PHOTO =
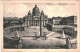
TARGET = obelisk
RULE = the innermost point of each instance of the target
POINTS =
(40, 26)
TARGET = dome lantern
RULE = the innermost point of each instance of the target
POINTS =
(35, 5)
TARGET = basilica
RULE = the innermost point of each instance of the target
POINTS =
(33, 19)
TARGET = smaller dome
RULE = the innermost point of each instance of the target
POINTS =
(42, 13)
(29, 13)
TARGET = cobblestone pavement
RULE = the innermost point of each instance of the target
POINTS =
(52, 42)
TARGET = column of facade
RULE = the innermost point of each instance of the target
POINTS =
(27, 22)
(45, 22)
(38, 22)
(30, 22)
(34, 22)
(42, 22)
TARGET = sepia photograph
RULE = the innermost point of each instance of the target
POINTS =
(40, 25)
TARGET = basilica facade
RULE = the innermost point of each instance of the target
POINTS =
(33, 19)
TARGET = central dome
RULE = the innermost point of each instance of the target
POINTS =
(36, 11)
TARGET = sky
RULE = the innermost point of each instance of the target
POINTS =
(50, 9)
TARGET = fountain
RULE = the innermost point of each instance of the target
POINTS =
(63, 35)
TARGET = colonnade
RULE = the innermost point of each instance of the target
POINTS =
(36, 22)
(17, 28)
